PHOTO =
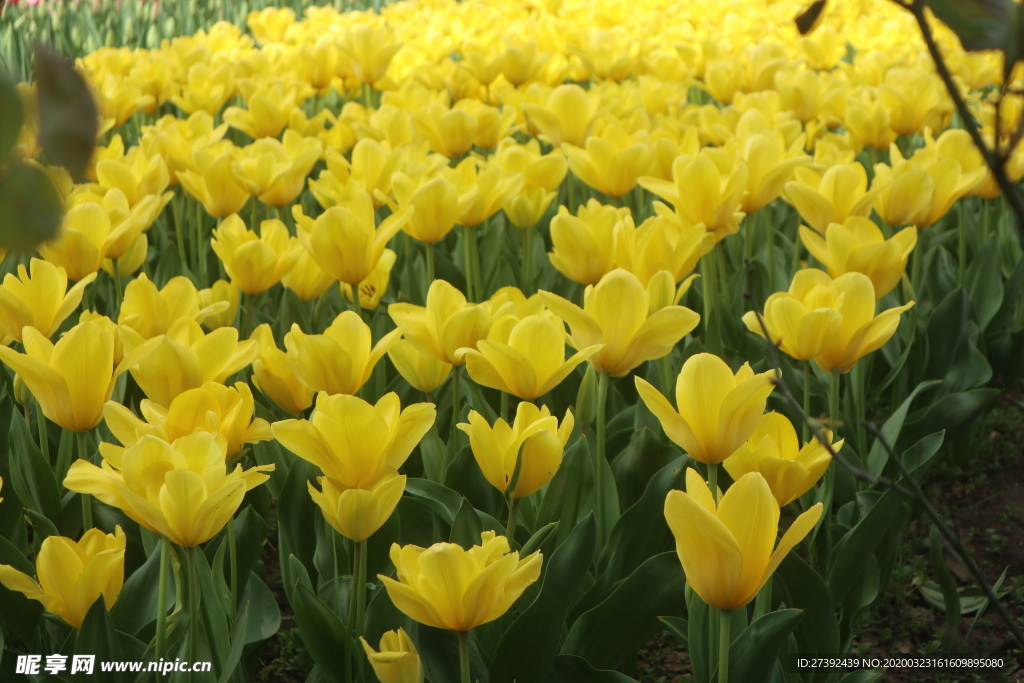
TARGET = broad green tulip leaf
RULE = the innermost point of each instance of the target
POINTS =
(970, 369)
(538, 630)
(697, 638)
(11, 115)
(542, 540)
(98, 636)
(971, 598)
(573, 669)
(641, 531)
(985, 283)
(418, 522)
(979, 24)
(878, 456)
(18, 614)
(432, 452)
(947, 330)
(382, 616)
(803, 588)
(940, 277)
(41, 526)
(611, 498)
(212, 609)
(756, 650)
(31, 475)
(264, 616)
(250, 535)
(439, 654)
(566, 492)
(325, 635)
(239, 639)
(443, 501)
(922, 452)
(68, 118)
(951, 412)
(640, 460)
(617, 627)
(950, 597)
(31, 206)
(136, 604)
(296, 530)
(857, 547)
(586, 399)
(467, 527)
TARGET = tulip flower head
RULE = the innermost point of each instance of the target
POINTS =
(446, 586)
(716, 410)
(398, 660)
(726, 549)
(357, 513)
(150, 312)
(38, 297)
(585, 244)
(421, 370)
(72, 575)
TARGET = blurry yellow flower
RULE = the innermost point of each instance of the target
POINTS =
(449, 131)
(151, 312)
(131, 260)
(830, 197)
(206, 88)
(447, 587)
(869, 123)
(73, 574)
(858, 246)
(212, 181)
(662, 242)
(584, 245)
(255, 263)
(534, 442)
(307, 279)
(371, 49)
(421, 370)
(484, 193)
(339, 361)
(357, 513)
(88, 236)
(612, 161)
(435, 205)
(275, 172)
(274, 376)
(703, 193)
(38, 296)
(373, 288)
(717, 410)
(398, 661)
(270, 103)
(770, 164)
(773, 450)
(567, 116)
(221, 302)
(616, 313)
(353, 441)
(372, 167)
(920, 190)
(178, 490)
(726, 549)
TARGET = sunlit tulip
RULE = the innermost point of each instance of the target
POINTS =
(435, 206)
(39, 297)
(446, 586)
(73, 574)
(275, 172)
(353, 441)
(584, 245)
(716, 409)
(726, 548)
(255, 263)
(567, 116)
(220, 300)
(185, 358)
(533, 444)
(339, 361)
(269, 104)
(211, 180)
(307, 279)
(273, 375)
(830, 197)
(180, 490)
(770, 165)
(73, 378)
(129, 262)
(858, 246)
(524, 357)
(372, 168)
(449, 131)
(345, 240)
(662, 242)
(832, 321)
(357, 513)
(485, 192)
(88, 236)
(611, 161)
(398, 661)
(703, 193)
(206, 88)
(151, 312)
(373, 288)
(914, 98)
(869, 122)
(616, 313)
(539, 170)
(421, 370)
(774, 451)
(371, 49)
(447, 323)
(213, 407)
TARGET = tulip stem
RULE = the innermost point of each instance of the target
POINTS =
(962, 244)
(455, 399)
(723, 646)
(478, 288)
(83, 454)
(527, 261)
(468, 235)
(770, 229)
(233, 562)
(513, 517)
(710, 278)
(44, 439)
(833, 400)
(193, 609)
(504, 406)
(599, 459)
(118, 292)
(713, 480)
(430, 266)
(804, 427)
(161, 598)
(249, 305)
(357, 599)
(464, 656)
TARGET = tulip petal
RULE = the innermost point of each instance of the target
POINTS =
(676, 428)
(711, 557)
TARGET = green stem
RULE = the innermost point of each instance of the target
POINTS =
(504, 406)
(118, 292)
(527, 261)
(430, 267)
(665, 369)
(723, 646)
(200, 252)
(478, 288)
(357, 304)
(599, 456)
(467, 258)
(161, 598)
(961, 244)
(763, 603)
(770, 227)
(513, 517)
(833, 400)
(455, 398)
(858, 375)
(193, 609)
(178, 233)
(805, 434)
(464, 656)
(713, 480)
(249, 305)
(233, 562)
(357, 605)
(44, 439)
(83, 454)
(915, 264)
(710, 284)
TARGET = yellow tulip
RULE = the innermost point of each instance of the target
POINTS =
(88, 235)
(307, 279)
(346, 242)
(662, 242)
(869, 123)
(373, 288)
(616, 312)
(213, 407)
(339, 361)
(435, 206)
(255, 263)
(179, 490)
(726, 549)
(493, 124)
(545, 171)
(206, 88)
(448, 131)
(353, 441)
(447, 587)
(357, 513)
(566, 116)
(185, 358)
(38, 297)
(830, 197)
(858, 246)
(774, 452)
(274, 376)
(221, 300)
(770, 164)
(483, 193)
(275, 172)
(73, 574)
(832, 321)
(421, 370)
(703, 193)
(212, 181)
(527, 208)
(372, 168)
(130, 261)
(73, 378)
(612, 161)
(534, 442)
(447, 323)
(524, 357)
(398, 661)
(716, 410)
(371, 49)
(150, 312)
(269, 103)
(584, 245)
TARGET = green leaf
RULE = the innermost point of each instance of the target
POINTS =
(947, 329)
(985, 283)
(621, 624)
(858, 545)
(99, 637)
(68, 118)
(264, 616)
(679, 627)
(864, 676)
(18, 614)
(878, 456)
(444, 502)
(136, 603)
(11, 115)
(805, 589)
(756, 650)
(31, 475)
(239, 639)
(573, 669)
(326, 637)
(538, 630)
(467, 527)
(950, 596)
(31, 206)
(697, 636)
(979, 24)
(564, 495)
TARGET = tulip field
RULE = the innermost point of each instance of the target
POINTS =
(510, 341)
